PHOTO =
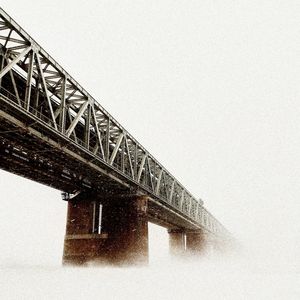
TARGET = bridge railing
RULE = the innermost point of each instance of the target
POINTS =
(48, 92)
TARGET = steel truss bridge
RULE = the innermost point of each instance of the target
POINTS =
(54, 132)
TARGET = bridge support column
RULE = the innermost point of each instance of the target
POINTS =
(107, 231)
(176, 242)
(195, 242)
(214, 245)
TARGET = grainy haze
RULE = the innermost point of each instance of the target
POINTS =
(211, 89)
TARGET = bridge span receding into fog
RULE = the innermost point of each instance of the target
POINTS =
(54, 132)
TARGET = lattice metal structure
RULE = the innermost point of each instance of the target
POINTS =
(33, 82)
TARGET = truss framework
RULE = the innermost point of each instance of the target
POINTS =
(52, 95)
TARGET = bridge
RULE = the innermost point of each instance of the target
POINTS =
(54, 132)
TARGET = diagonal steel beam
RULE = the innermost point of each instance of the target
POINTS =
(197, 211)
(151, 180)
(45, 89)
(14, 62)
(77, 118)
(141, 167)
(71, 120)
(163, 179)
(29, 80)
(117, 146)
(57, 112)
(3, 27)
(181, 200)
(97, 131)
(17, 47)
(7, 39)
(129, 157)
(190, 206)
(12, 77)
(158, 182)
(172, 191)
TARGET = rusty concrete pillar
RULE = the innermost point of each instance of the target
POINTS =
(196, 242)
(215, 245)
(81, 244)
(107, 231)
(176, 242)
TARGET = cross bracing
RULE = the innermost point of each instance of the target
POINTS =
(32, 81)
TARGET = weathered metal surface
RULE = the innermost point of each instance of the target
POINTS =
(53, 131)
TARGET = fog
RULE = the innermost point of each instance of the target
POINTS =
(211, 89)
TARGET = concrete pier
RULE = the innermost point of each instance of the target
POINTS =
(107, 231)
(176, 242)
(195, 242)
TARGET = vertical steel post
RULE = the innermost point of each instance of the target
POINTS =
(29, 80)
(62, 116)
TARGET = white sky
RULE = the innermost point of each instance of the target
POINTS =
(210, 88)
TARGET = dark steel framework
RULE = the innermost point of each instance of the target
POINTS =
(55, 111)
